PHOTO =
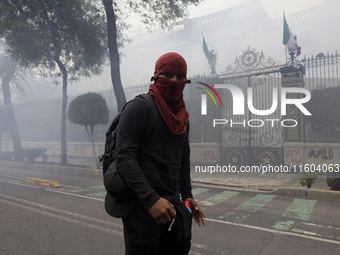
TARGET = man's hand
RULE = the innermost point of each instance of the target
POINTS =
(162, 211)
(197, 212)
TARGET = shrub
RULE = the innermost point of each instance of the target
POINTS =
(33, 153)
(308, 178)
(89, 109)
(333, 178)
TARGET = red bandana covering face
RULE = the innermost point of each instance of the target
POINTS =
(168, 94)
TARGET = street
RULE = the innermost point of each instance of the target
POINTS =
(36, 219)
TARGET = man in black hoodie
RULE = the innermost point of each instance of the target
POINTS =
(157, 166)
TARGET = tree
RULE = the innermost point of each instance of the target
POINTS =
(150, 11)
(55, 34)
(12, 77)
(89, 109)
(7, 71)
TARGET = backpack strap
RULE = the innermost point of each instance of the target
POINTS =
(152, 112)
(110, 141)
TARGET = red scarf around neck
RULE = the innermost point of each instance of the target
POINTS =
(168, 94)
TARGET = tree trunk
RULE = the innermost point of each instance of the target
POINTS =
(10, 113)
(92, 142)
(63, 154)
(114, 55)
(57, 47)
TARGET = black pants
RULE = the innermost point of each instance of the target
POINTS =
(144, 236)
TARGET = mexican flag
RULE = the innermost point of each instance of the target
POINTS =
(206, 50)
(289, 39)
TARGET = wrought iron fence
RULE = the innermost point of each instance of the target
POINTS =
(322, 71)
(250, 70)
(322, 79)
(262, 74)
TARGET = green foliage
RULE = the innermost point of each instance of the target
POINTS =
(333, 178)
(333, 183)
(88, 109)
(157, 11)
(65, 37)
(19, 77)
(163, 12)
(38, 32)
(33, 153)
(308, 178)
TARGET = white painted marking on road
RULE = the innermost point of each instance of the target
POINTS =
(207, 248)
(320, 226)
(18, 183)
(194, 253)
(84, 224)
(201, 246)
(11, 176)
(309, 233)
(57, 191)
(73, 187)
(76, 195)
(336, 237)
(98, 187)
(63, 211)
(274, 231)
(52, 215)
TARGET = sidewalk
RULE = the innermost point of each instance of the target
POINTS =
(257, 181)
(273, 183)
(280, 184)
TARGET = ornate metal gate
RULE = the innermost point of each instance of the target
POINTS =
(247, 139)
(253, 139)
(253, 70)
(258, 140)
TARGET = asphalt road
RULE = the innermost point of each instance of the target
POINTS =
(37, 219)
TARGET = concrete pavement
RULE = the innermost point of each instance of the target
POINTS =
(275, 183)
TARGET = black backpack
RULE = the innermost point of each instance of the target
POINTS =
(110, 143)
(120, 199)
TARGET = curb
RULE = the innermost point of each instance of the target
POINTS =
(42, 182)
(76, 169)
(56, 168)
(318, 194)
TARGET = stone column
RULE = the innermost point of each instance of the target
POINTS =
(293, 137)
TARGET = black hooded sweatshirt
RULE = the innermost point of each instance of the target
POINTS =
(156, 164)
